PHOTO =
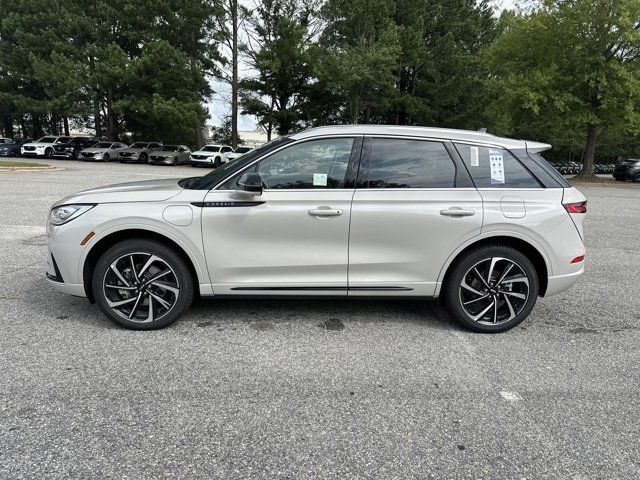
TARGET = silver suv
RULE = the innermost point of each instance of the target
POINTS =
(482, 222)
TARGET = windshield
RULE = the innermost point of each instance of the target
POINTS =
(210, 148)
(103, 145)
(64, 140)
(242, 149)
(169, 148)
(139, 145)
(47, 139)
(216, 176)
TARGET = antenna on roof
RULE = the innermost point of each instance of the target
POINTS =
(482, 130)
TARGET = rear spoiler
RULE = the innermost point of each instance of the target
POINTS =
(537, 147)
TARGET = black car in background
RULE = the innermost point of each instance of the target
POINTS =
(73, 147)
(12, 148)
(628, 170)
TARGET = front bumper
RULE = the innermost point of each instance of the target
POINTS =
(32, 153)
(160, 161)
(202, 161)
(63, 154)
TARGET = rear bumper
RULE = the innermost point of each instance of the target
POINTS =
(76, 290)
(560, 283)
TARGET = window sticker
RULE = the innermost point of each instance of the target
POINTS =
(319, 179)
(497, 166)
(474, 157)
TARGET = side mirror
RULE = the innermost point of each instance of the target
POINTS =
(250, 183)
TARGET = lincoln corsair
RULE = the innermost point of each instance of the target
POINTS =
(483, 223)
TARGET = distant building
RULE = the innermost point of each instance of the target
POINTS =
(250, 138)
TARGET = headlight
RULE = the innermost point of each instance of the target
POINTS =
(66, 213)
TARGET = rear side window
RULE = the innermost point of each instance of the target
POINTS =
(399, 163)
(494, 167)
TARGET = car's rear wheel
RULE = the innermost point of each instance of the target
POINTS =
(491, 289)
(143, 158)
(142, 284)
(217, 162)
(48, 153)
(636, 178)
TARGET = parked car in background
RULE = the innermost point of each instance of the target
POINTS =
(138, 152)
(342, 211)
(12, 148)
(210, 156)
(170, 155)
(104, 151)
(73, 147)
(4, 140)
(238, 152)
(43, 147)
(628, 170)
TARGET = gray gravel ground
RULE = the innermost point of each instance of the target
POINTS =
(315, 388)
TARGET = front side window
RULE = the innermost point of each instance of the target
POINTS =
(495, 167)
(399, 163)
(316, 164)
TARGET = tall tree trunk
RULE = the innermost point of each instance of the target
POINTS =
(589, 153)
(65, 119)
(198, 132)
(97, 117)
(112, 127)
(8, 126)
(234, 74)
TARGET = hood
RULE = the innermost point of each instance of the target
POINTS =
(163, 153)
(95, 150)
(38, 144)
(132, 150)
(202, 152)
(146, 191)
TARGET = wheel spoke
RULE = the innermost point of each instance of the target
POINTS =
(470, 288)
(150, 260)
(520, 278)
(515, 294)
(504, 274)
(512, 312)
(476, 299)
(484, 282)
(166, 286)
(118, 274)
(161, 301)
(121, 302)
(133, 268)
(158, 276)
(135, 305)
(494, 260)
(150, 317)
(483, 312)
(120, 287)
(495, 310)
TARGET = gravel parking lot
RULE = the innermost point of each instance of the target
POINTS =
(315, 388)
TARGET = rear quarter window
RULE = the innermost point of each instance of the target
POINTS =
(495, 167)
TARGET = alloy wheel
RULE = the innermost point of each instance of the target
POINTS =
(141, 287)
(494, 291)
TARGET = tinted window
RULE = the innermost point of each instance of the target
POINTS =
(495, 168)
(47, 139)
(242, 149)
(138, 145)
(227, 149)
(210, 148)
(316, 164)
(103, 145)
(398, 163)
(169, 148)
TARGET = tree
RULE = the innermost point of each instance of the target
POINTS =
(223, 133)
(278, 50)
(567, 67)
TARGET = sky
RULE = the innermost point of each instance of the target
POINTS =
(219, 105)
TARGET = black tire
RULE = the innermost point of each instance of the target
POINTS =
(142, 250)
(175, 161)
(636, 178)
(48, 153)
(14, 153)
(143, 158)
(217, 162)
(106, 157)
(512, 309)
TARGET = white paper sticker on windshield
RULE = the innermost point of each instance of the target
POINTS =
(319, 179)
(474, 157)
(497, 166)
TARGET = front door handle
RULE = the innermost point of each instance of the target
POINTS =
(457, 212)
(325, 212)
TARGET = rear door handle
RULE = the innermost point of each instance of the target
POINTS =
(457, 212)
(325, 212)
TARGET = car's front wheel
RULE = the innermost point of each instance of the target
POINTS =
(636, 178)
(142, 284)
(491, 289)
(106, 157)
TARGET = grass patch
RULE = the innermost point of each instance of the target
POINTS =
(21, 164)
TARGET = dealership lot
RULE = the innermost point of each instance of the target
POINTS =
(315, 388)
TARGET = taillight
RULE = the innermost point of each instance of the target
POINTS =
(578, 207)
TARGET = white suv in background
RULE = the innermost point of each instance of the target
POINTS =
(483, 222)
(211, 156)
(238, 152)
(42, 147)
